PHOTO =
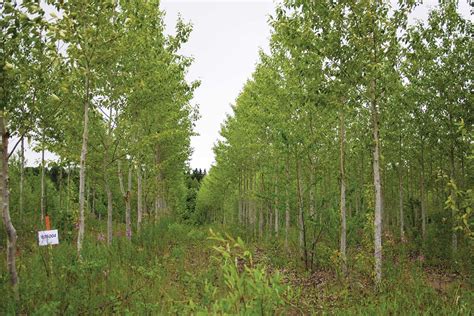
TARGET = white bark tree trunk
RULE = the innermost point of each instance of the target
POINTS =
(287, 204)
(277, 211)
(82, 170)
(22, 173)
(400, 193)
(139, 198)
(5, 199)
(43, 206)
(378, 187)
(422, 192)
(342, 141)
(126, 198)
(128, 215)
(301, 222)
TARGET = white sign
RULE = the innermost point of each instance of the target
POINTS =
(48, 237)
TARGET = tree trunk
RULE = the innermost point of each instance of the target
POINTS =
(378, 189)
(128, 220)
(82, 170)
(422, 192)
(454, 236)
(108, 190)
(109, 213)
(261, 206)
(400, 193)
(7, 222)
(22, 173)
(60, 187)
(126, 198)
(240, 200)
(287, 203)
(43, 210)
(68, 187)
(342, 204)
(139, 198)
(301, 223)
(277, 212)
(312, 200)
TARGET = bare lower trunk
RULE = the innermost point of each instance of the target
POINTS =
(22, 173)
(262, 205)
(454, 236)
(287, 204)
(68, 188)
(126, 198)
(378, 189)
(301, 222)
(160, 203)
(400, 193)
(277, 207)
(82, 171)
(109, 214)
(312, 206)
(61, 176)
(108, 191)
(342, 141)
(240, 201)
(139, 198)
(128, 220)
(43, 210)
(402, 215)
(422, 193)
(7, 222)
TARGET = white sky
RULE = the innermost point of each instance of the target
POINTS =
(226, 38)
(225, 41)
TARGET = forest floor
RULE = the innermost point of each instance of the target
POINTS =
(173, 268)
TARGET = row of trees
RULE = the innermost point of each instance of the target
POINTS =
(355, 118)
(98, 84)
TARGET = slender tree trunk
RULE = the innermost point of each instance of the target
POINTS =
(261, 207)
(342, 141)
(126, 198)
(139, 198)
(301, 223)
(160, 202)
(312, 200)
(22, 173)
(43, 211)
(378, 188)
(287, 203)
(128, 219)
(82, 170)
(7, 222)
(277, 207)
(68, 187)
(109, 213)
(61, 187)
(240, 200)
(108, 190)
(422, 192)
(454, 236)
(400, 192)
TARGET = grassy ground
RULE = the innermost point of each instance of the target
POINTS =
(172, 268)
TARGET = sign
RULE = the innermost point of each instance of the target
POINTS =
(48, 237)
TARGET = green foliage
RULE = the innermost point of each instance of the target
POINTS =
(248, 288)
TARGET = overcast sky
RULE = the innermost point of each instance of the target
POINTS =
(225, 41)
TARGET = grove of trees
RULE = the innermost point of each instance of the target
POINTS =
(101, 86)
(342, 183)
(355, 129)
